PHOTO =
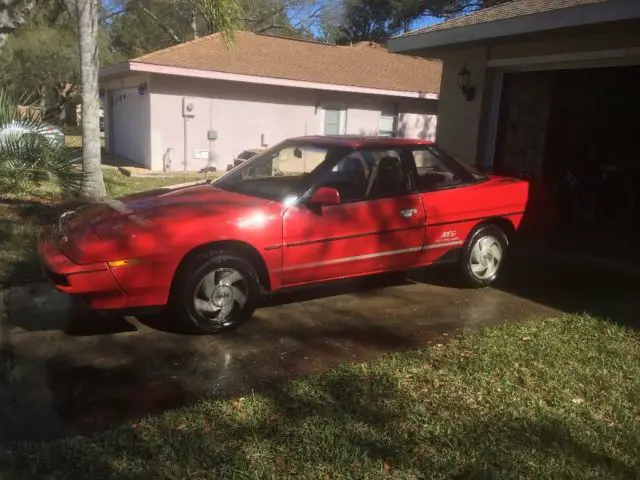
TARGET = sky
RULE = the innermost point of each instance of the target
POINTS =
(426, 22)
(423, 22)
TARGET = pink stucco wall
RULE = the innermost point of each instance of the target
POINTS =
(243, 115)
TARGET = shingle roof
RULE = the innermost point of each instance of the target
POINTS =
(516, 8)
(359, 65)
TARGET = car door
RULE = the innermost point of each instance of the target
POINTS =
(451, 203)
(378, 226)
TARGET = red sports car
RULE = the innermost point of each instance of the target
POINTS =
(308, 210)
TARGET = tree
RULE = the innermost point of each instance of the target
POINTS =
(143, 26)
(40, 59)
(364, 20)
(378, 20)
(140, 26)
(411, 10)
(92, 185)
(12, 15)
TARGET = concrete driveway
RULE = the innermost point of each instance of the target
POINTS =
(57, 380)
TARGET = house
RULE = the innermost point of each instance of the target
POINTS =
(201, 103)
(534, 87)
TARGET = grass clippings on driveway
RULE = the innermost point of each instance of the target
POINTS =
(554, 398)
(21, 218)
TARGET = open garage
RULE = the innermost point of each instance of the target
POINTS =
(576, 129)
(549, 91)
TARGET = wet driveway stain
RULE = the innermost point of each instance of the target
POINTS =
(58, 381)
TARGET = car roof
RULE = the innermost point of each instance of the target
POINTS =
(359, 141)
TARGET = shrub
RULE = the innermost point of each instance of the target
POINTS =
(28, 156)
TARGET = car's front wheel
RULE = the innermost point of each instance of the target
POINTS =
(484, 255)
(216, 291)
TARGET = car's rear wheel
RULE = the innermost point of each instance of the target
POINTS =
(216, 292)
(484, 255)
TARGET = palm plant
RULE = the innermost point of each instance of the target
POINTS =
(28, 156)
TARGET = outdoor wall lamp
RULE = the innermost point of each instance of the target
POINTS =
(464, 82)
(142, 88)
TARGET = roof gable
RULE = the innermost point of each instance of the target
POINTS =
(359, 65)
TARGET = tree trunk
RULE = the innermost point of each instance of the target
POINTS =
(92, 186)
(194, 23)
(70, 117)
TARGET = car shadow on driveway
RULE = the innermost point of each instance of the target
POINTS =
(574, 284)
(58, 382)
(59, 385)
(363, 288)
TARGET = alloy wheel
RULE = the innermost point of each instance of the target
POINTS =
(220, 292)
(486, 257)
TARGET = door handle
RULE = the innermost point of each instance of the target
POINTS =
(408, 212)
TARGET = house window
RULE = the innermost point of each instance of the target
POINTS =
(387, 124)
(333, 121)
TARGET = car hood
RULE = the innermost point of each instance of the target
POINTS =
(165, 212)
(176, 204)
(200, 197)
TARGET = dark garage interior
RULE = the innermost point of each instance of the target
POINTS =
(578, 131)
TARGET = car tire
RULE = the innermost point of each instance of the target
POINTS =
(215, 292)
(484, 255)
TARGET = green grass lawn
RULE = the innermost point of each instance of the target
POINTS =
(551, 398)
(19, 224)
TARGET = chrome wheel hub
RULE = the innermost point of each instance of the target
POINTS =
(222, 296)
(219, 293)
(486, 257)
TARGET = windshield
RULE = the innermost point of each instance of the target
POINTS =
(277, 173)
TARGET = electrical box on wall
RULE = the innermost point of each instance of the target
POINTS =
(212, 135)
(188, 107)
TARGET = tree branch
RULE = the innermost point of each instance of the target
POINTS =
(114, 14)
(168, 30)
(275, 27)
(311, 18)
(210, 26)
(264, 16)
(135, 4)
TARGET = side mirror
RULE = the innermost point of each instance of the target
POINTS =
(325, 196)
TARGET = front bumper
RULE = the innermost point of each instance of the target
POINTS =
(94, 282)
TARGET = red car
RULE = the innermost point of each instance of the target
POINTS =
(307, 210)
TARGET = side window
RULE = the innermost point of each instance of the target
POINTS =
(433, 172)
(367, 175)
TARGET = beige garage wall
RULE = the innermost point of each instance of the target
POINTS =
(462, 125)
(458, 118)
(597, 38)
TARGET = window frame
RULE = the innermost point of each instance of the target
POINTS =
(342, 118)
(393, 110)
(449, 162)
